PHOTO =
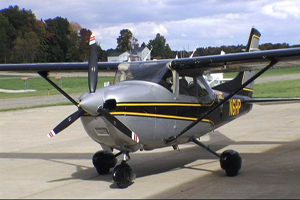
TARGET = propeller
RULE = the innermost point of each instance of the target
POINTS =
(66, 122)
(92, 80)
(119, 125)
(91, 103)
(93, 68)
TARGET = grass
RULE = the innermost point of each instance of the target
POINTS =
(74, 85)
(280, 89)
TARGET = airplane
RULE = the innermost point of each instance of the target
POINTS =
(162, 103)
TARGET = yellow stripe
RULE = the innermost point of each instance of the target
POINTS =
(159, 115)
(164, 104)
(256, 36)
(248, 89)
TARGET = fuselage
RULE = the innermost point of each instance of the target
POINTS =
(156, 111)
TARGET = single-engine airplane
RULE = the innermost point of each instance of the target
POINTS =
(163, 103)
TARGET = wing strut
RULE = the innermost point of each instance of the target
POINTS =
(172, 140)
(44, 74)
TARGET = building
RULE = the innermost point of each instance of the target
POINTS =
(140, 54)
(137, 54)
(118, 57)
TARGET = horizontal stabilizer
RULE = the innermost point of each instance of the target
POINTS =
(272, 100)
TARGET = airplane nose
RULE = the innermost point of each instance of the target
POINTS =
(91, 102)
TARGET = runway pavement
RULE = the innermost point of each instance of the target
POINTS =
(34, 166)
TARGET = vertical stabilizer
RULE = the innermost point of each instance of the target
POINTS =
(253, 41)
(242, 77)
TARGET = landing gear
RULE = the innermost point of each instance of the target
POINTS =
(103, 161)
(230, 160)
(123, 174)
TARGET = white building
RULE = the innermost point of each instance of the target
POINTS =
(118, 57)
(137, 54)
(140, 54)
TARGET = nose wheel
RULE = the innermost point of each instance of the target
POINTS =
(123, 174)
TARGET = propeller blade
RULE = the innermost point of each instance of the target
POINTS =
(119, 125)
(93, 68)
(66, 122)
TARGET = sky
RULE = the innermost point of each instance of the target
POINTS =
(184, 23)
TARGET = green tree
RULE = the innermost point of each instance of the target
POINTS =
(161, 49)
(4, 40)
(74, 38)
(85, 35)
(58, 39)
(168, 51)
(25, 48)
(19, 23)
(40, 30)
(124, 40)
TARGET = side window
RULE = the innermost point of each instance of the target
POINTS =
(167, 81)
(196, 87)
(204, 92)
(186, 85)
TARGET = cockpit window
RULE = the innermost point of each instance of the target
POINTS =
(197, 87)
(155, 72)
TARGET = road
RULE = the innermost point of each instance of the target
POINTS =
(34, 166)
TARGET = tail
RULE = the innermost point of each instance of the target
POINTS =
(253, 41)
(242, 77)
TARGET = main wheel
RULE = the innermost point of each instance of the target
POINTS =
(123, 175)
(231, 162)
(103, 161)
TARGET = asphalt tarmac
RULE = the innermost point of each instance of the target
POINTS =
(35, 166)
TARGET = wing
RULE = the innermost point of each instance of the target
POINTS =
(239, 61)
(213, 64)
(57, 67)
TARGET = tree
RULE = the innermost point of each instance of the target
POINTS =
(143, 45)
(124, 40)
(40, 30)
(57, 37)
(85, 35)
(4, 40)
(160, 48)
(74, 38)
(168, 51)
(134, 42)
(25, 48)
(16, 23)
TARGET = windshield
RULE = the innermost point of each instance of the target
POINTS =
(149, 71)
